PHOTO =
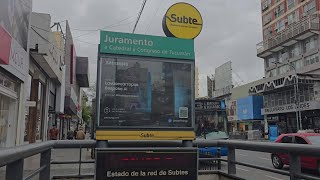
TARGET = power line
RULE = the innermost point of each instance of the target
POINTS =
(142, 7)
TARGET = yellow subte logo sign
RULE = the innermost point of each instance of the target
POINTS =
(182, 20)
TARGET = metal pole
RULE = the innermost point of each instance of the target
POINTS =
(296, 103)
(14, 170)
(45, 161)
(231, 159)
(297, 97)
(295, 166)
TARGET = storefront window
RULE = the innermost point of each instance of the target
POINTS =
(4, 117)
(41, 95)
(27, 115)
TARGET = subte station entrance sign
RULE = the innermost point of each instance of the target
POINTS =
(145, 91)
(145, 88)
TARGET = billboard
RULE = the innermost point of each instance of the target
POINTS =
(14, 26)
(223, 79)
(156, 164)
(249, 108)
(144, 93)
(231, 110)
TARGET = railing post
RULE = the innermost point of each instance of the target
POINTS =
(45, 161)
(295, 166)
(14, 170)
(231, 160)
(219, 156)
(80, 160)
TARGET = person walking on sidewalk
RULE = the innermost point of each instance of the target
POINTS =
(80, 134)
(54, 131)
(70, 134)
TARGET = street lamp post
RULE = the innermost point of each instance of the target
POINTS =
(296, 95)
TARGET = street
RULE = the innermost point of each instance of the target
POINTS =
(259, 159)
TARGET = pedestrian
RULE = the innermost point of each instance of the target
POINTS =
(75, 134)
(80, 134)
(53, 133)
(70, 134)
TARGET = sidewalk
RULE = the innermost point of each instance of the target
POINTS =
(32, 163)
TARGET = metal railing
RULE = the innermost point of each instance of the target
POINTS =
(13, 158)
(309, 23)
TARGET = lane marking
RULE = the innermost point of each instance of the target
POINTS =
(273, 177)
(242, 169)
(264, 158)
(243, 155)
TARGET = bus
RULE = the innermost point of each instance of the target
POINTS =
(211, 123)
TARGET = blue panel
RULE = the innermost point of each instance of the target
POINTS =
(249, 108)
(223, 105)
(273, 133)
(245, 108)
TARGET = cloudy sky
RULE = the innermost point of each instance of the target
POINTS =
(232, 28)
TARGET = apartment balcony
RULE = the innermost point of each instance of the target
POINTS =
(296, 32)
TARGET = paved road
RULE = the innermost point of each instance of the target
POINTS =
(259, 159)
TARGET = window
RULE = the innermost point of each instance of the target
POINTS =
(273, 72)
(265, 5)
(267, 18)
(291, 3)
(309, 8)
(298, 64)
(283, 69)
(310, 44)
(300, 140)
(286, 139)
(293, 17)
(294, 50)
(314, 139)
(279, 10)
(267, 33)
(311, 59)
(280, 25)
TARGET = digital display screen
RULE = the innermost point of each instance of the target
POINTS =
(147, 164)
(145, 93)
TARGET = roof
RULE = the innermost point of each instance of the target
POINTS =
(302, 134)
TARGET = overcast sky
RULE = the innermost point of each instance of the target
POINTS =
(231, 30)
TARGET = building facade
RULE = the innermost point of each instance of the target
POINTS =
(45, 78)
(76, 77)
(290, 50)
(241, 119)
(14, 64)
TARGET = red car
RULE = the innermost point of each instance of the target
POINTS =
(278, 160)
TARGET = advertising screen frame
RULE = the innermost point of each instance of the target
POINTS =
(187, 133)
(103, 153)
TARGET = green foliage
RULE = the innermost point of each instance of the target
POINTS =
(86, 114)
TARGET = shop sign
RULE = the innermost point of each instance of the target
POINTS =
(5, 46)
(144, 45)
(309, 105)
(31, 103)
(182, 20)
(156, 164)
(73, 96)
(207, 105)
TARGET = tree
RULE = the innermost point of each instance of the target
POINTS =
(86, 114)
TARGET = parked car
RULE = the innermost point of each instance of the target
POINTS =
(307, 162)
